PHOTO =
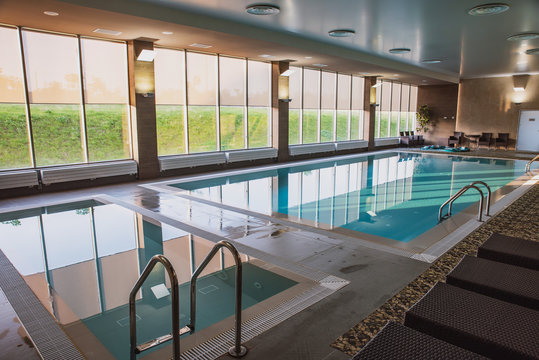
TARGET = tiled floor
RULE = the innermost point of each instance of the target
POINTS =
(14, 342)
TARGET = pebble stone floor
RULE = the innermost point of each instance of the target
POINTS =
(520, 219)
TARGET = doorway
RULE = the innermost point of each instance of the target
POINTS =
(528, 131)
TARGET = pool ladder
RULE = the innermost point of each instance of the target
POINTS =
(529, 164)
(237, 350)
(462, 191)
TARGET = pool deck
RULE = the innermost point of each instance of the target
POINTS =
(375, 276)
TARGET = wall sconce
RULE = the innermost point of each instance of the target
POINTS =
(146, 55)
(284, 94)
(519, 86)
(372, 95)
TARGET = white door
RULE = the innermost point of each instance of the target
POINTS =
(528, 131)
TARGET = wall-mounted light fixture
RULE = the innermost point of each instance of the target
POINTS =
(519, 87)
(146, 55)
(284, 86)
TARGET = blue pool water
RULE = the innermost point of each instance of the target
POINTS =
(82, 259)
(394, 195)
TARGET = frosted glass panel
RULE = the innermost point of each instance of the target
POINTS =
(386, 96)
(294, 88)
(311, 89)
(169, 68)
(258, 77)
(201, 79)
(231, 81)
(343, 91)
(396, 97)
(358, 84)
(328, 90)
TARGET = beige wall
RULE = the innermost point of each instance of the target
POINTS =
(486, 105)
(442, 100)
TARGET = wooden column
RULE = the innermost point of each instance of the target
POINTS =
(142, 105)
(369, 110)
(279, 112)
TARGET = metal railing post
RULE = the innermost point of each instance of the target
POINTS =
(237, 350)
(462, 191)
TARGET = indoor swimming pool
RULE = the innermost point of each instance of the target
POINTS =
(81, 260)
(390, 195)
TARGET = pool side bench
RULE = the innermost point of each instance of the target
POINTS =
(510, 250)
(505, 282)
(478, 323)
(396, 341)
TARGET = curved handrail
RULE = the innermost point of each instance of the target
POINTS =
(488, 198)
(237, 350)
(529, 163)
(458, 194)
(175, 307)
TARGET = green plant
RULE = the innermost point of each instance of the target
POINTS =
(423, 118)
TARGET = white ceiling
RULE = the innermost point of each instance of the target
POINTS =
(470, 46)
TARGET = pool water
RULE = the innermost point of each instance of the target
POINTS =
(81, 260)
(393, 195)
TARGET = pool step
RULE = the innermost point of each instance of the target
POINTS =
(476, 322)
(160, 340)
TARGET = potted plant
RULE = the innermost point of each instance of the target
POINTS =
(423, 118)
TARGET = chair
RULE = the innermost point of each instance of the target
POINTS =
(484, 139)
(455, 139)
(406, 139)
(502, 140)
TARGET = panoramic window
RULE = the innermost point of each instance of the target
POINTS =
(397, 108)
(311, 106)
(169, 68)
(232, 103)
(53, 73)
(328, 102)
(356, 115)
(344, 83)
(106, 97)
(294, 107)
(14, 146)
(258, 100)
(201, 102)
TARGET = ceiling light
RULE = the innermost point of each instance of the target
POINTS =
(533, 51)
(488, 9)
(51, 13)
(431, 61)
(523, 36)
(518, 89)
(267, 56)
(377, 85)
(262, 9)
(287, 72)
(167, 33)
(146, 55)
(320, 65)
(364, 73)
(423, 80)
(341, 33)
(395, 74)
(399, 50)
(107, 32)
(308, 57)
(202, 46)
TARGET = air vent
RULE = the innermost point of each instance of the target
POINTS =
(107, 32)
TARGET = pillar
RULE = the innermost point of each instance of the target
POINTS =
(142, 105)
(279, 112)
(369, 112)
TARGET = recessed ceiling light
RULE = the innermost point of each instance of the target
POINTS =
(267, 56)
(533, 51)
(308, 57)
(320, 65)
(341, 33)
(523, 36)
(364, 73)
(167, 33)
(519, 89)
(395, 74)
(51, 13)
(431, 61)
(262, 9)
(202, 46)
(488, 9)
(399, 50)
(107, 32)
(423, 80)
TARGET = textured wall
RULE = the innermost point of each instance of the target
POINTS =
(487, 105)
(442, 100)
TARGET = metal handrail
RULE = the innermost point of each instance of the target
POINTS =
(458, 194)
(529, 163)
(175, 336)
(488, 198)
(237, 350)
